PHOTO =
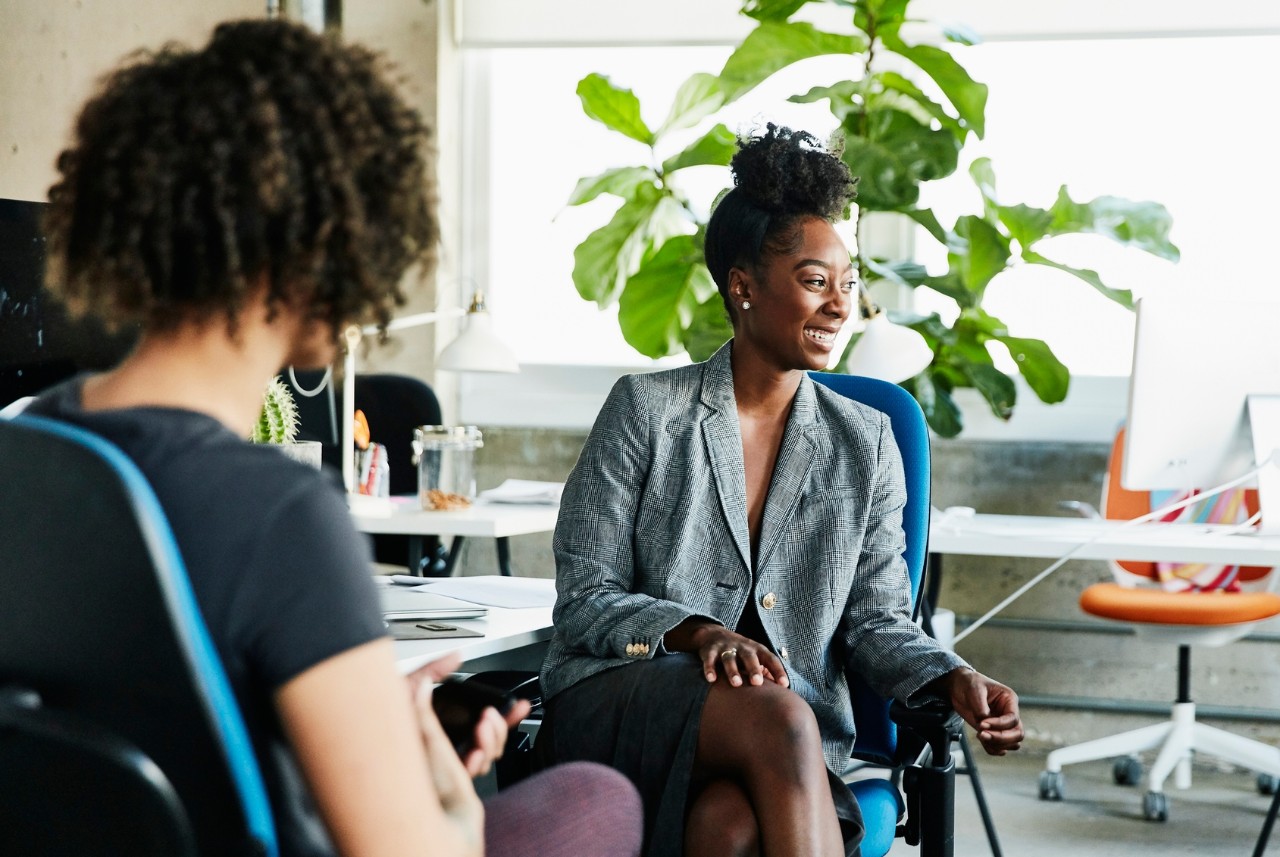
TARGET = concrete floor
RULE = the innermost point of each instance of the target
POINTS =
(1221, 814)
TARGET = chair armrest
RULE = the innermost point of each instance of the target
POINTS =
(929, 781)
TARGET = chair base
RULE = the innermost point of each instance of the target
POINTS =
(1178, 739)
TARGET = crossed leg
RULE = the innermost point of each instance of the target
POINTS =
(764, 781)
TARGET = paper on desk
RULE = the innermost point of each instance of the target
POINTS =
(525, 491)
(495, 591)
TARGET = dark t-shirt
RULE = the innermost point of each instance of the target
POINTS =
(278, 570)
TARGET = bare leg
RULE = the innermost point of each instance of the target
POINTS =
(766, 739)
(722, 823)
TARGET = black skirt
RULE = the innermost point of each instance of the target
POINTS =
(643, 718)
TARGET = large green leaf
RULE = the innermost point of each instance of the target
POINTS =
(965, 94)
(892, 153)
(926, 218)
(775, 45)
(940, 410)
(994, 386)
(716, 147)
(891, 80)
(844, 98)
(609, 255)
(1026, 224)
(771, 10)
(709, 328)
(902, 273)
(1144, 225)
(1124, 297)
(699, 96)
(952, 286)
(980, 253)
(879, 16)
(660, 298)
(1045, 374)
(619, 181)
(614, 107)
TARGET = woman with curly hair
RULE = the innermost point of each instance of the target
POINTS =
(729, 548)
(242, 204)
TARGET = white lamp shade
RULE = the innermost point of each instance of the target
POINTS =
(888, 351)
(476, 349)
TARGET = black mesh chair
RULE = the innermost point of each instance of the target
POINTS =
(119, 733)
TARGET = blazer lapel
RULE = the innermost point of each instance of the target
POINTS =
(791, 471)
(723, 439)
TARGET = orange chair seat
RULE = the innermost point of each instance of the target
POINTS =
(1157, 607)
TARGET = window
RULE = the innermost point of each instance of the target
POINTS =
(1173, 119)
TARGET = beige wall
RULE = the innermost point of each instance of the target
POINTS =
(51, 54)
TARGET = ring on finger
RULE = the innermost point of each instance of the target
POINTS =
(729, 653)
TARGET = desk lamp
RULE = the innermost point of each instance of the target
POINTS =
(475, 349)
(886, 350)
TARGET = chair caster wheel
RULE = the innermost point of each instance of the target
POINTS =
(1155, 806)
(1267, 784)
(1127, 771)
(1051, 783)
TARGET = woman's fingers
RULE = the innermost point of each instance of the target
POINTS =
(772, 665)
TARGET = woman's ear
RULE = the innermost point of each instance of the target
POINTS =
(739, 285)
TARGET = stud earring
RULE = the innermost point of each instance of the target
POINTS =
(746, 304)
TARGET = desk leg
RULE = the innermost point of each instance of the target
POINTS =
(455, 550)
(504, 556)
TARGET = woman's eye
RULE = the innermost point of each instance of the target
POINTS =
(817, 282)
(849, 287)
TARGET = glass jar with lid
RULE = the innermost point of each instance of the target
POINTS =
(446, 465)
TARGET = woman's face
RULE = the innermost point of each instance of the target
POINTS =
(798, 300)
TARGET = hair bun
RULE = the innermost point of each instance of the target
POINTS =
(789, 172)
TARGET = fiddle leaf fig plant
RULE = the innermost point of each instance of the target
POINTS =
(905, 115)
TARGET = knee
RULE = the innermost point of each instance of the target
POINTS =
(789, 722)
(722, 821)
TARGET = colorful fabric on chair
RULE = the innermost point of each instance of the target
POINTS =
(1228, 507)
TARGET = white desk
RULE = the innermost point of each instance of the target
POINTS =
(513, 639)
(489, 520)
(1024, 535)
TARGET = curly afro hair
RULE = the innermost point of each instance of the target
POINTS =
(781, 179)
(271, 151)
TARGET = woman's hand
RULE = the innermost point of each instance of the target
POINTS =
(988, 706)
(452, 781)
(490, 737)
(741, 658)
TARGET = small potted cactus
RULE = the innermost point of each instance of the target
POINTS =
(278, 424)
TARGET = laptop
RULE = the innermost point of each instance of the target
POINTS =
(406, 602)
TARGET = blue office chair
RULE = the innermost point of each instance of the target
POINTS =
(119, 733)
(930, 789)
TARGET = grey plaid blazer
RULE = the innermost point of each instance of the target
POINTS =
(653, 529)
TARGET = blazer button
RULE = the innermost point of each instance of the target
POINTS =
(631, 649)
(768, 601)
(785, 654)
(644, 648)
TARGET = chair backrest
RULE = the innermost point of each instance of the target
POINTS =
(1122, 504)
(106, 665)
(395, 405)
(877, 735)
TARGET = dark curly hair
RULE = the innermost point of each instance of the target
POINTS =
(781, 178)
(271, 151)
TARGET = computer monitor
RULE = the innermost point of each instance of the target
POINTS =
(39, 344)
(1204, 397)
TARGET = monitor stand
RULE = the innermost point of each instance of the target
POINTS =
(1264, 423)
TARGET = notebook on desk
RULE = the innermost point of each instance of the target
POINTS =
(400, 602)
